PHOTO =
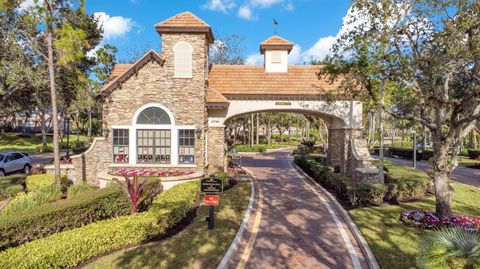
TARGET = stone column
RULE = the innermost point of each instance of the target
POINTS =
(338, 146)
(216, 150)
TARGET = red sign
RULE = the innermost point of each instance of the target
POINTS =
(211, 200)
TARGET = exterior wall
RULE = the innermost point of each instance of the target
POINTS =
(338, 148)
(155, 84)
(92, 161)
(276, 67)
(216, 149)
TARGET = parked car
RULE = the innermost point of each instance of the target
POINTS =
(14, 161)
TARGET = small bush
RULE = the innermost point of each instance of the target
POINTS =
(28, 201)
(11, 185)
(449, 248)
(38, 181)
(255, 148)
(224, 177)
(80, 209)
(355, 193)
(404, 182)
(37, 170)
(474, 153)
(44, 149)
(426, 154)
(69, 248)
(78, 189)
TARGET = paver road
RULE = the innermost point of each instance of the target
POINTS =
(299, 226)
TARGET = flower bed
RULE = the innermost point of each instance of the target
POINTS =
(150, 173)
(428, 220)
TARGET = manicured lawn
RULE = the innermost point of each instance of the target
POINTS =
(11, 185)
(395, 245)
(193, 247)
(14, 141)
(276, 145)
(469, 163)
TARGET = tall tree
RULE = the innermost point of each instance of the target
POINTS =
(428, 55)
(227, 50)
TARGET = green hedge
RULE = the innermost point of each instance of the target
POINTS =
(224, 177)
(69, 248)
(66, 214)
(35, 182)
(355, 193)
(11, 185)
(405, 182)
(474, 153)
(254, 148)
(401, 183)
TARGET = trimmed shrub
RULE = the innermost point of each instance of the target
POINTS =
(355, 193)
(404, 182)
(69, 248)
(11, 185)
(35, 182)
(474, 153)
(224, 177)
(254, 148)
(426, 154)
(79, 210)
(78, 189)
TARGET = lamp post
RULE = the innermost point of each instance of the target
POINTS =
(414, 149)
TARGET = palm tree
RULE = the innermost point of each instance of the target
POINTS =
(450, 248)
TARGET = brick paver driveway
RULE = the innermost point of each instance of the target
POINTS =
(299, 226)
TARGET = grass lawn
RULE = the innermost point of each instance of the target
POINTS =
(394, 244)
(469, 163)
(193, 247)
(13, 142)
(11, 185)
(276, 145)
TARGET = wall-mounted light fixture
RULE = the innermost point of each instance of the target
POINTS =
(106, 132)
(198, 132)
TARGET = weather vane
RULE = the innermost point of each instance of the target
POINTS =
(275, 22)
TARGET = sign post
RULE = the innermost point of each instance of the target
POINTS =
(210, 186)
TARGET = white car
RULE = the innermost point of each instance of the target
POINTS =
(13, 162)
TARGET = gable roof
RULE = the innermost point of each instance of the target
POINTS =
(216, 99)
(231, 80)
(122, 72)
(185, 22)
(276, 42)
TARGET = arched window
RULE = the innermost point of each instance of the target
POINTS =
(183, 60)
(153, 115)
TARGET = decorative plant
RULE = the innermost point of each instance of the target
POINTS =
(134, 189)
(450, 248)
(308, 143)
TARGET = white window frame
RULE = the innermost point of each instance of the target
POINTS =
(132, 161)
(188, 73)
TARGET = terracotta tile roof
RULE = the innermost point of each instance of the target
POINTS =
(214, 96)
(276, 42)
(253, 80)
(185, 22)
(122, 72)
(185, 19)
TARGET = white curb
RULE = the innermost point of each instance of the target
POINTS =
(238, 237)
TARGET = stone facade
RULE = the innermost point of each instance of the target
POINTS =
(216, 149)
(96, 159)
(338, 148)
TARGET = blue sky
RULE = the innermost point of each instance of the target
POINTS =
(311, 24)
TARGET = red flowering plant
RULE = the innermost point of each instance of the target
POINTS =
(150, 173)
(428, 220)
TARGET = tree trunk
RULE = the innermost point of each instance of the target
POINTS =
(441, 181)
(53, 96)
(251, 130)
(24, 130)
(43, 121)
(258, 130)
(89, 131)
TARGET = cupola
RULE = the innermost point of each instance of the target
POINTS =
(275, 50)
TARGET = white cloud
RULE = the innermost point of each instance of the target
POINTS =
(265, 3)
(289, 6)
(245, 12)
(320, 49)
(295, 56)
(254, 59)
(115, 26)
(220, 5)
